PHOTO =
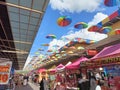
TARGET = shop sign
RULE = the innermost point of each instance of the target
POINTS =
(104, 61)
(5, 68)
(91, 52)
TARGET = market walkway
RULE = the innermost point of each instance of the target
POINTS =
(30, 86)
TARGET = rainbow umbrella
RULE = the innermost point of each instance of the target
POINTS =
(64, 21)
(49, 50)
(45, 45)
(40, 49)
(62, 51)
(106, 30)
(94, 28)
(70, 52)
(81, 25)
(80, 48)
(111, 3)
(87, 41)
(72, 47)
(117, 32)
(51, 36)
(37, 53)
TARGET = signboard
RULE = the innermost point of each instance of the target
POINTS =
(91, 52)
(101, 62)
(5, 68)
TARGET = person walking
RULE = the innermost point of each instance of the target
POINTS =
(42, 84)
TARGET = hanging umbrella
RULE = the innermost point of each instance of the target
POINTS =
(80, 48)
(62, 51)
(64, 21)
(87, 41)
(40, 49)
(81, 25)
(45, 45)
(51, 36)
(111, 3)
(106, 30)
(93, 28)
(117, 32)
(72, 47)
(37, 53)
(49, 50)
(70, 52)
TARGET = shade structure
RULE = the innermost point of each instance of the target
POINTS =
(111, 3)
(64, 21)
(76, 64)
(52, 70)
(117, 32)
(60, 67)
(42, 70)
(106, 29)
(45, 44)
(108, 51)
(94, 28)
(81, 25)
(51, 36)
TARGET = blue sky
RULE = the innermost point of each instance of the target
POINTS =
(80, 11)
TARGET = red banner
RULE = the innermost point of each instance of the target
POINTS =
(5, 68)
(91, 52)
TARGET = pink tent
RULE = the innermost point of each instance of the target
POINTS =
(42, 70)
(76, 64)
(108, 51)
(60, 66)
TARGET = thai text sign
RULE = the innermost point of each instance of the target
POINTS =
(5, 68)
(103, 61)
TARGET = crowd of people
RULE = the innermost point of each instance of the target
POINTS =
(20, 79)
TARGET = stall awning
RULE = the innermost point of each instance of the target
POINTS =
(76, 64)
(108, 51)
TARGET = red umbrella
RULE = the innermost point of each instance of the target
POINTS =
(93, 29)
(117, 32)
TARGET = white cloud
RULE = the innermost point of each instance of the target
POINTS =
(75, 5)
(97, 18)
(82, 33)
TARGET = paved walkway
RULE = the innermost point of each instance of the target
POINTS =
(30, 86)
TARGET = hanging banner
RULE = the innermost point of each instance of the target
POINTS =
(102, 61)
(91, 52)
(5, 68)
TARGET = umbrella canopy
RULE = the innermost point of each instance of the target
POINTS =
(81, 25)
(108, 51)
(111, 3)
(76, 64)
(117, 32)
(51, 36)
(106, 30)
(93, 28)
(64, 21)
(60, 66)
(42, 70)
(45, 45)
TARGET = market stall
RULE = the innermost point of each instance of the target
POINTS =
(74, 74)
(104, 65)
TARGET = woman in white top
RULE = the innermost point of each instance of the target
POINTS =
(98, 87)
